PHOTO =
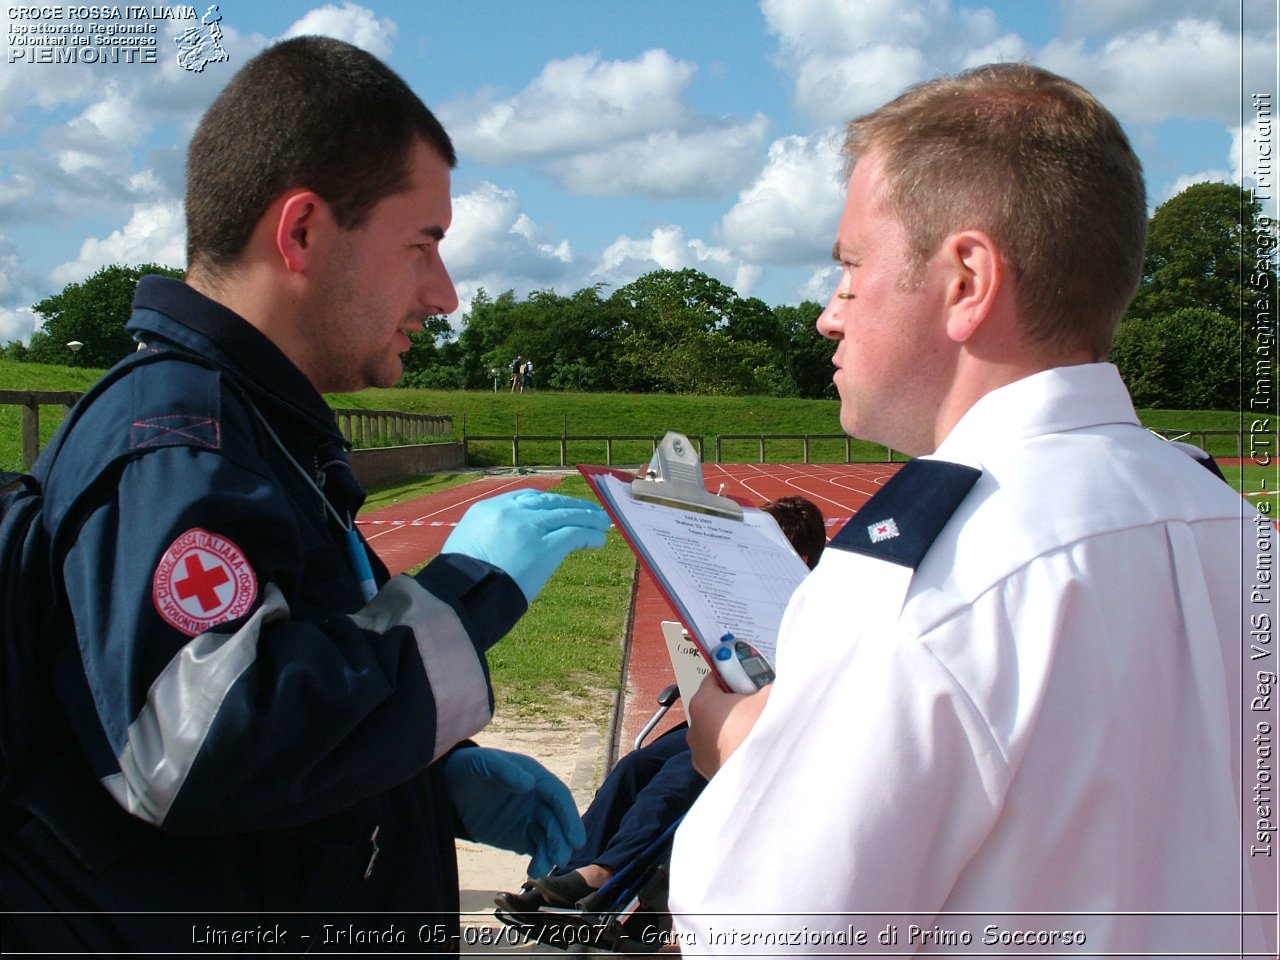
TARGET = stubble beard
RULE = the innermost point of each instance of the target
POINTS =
(345, 315)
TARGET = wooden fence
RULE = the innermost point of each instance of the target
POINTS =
(368, 428)
(586, 447)
(30, 402)
(364, 428)
(564, 439)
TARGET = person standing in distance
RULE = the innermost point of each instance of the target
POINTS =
(1037, 621)
(249, 723)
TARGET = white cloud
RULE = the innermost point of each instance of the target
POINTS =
(1006, 48)
(1188, 68)
(13, 194)
(610, 128)
(104, 138)
(847, 59)
(668, 164)
(579, 103)
(493, 243)
(1189, 179)
(821, 284)
(115, 118)
(351, 22)
(25, 84)
(833, 89)
(1255, 157)
(156, 233)
(17, 324)
(667, 248)
(789, 215)
(808, 27)
(10, 270)
(1148, 60)
(1101, 17)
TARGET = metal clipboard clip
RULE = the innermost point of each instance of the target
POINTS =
(674, 478)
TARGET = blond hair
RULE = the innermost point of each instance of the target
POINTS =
(1034, 160)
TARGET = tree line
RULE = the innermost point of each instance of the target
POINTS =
(1202, 316)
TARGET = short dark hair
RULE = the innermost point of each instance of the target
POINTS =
(309, 112)
(1036, 161)
(801, 521)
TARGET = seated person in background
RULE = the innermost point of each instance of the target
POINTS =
(653, 786)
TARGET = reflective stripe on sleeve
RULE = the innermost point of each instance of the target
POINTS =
(188, 694)
(452, 664)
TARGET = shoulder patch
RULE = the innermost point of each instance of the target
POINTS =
(203, 580)
(174, 430)
(900, 523)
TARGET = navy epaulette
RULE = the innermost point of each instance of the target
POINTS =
(900, 523)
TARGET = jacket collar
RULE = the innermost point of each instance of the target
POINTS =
(172, 312)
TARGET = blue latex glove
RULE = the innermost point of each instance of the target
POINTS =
(527, 534)
(511, 801)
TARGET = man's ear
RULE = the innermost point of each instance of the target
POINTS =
(976, 280)
(303, 222)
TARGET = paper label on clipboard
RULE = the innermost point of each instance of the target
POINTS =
(686, 660)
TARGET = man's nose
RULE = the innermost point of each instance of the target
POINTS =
(829, 323)
(438, 291)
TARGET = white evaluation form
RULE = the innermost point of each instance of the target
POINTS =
(721, 575)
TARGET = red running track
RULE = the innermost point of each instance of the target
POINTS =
(407, 534)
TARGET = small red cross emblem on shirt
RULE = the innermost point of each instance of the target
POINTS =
(201, 583)
(884, 530)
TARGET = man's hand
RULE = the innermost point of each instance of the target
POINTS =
(511, 801)
(527, 534)
(719, 722)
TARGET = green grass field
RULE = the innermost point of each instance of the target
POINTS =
(503, 414)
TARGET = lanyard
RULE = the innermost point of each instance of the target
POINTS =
(360, 563)
(356, 552)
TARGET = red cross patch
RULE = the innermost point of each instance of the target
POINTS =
(203, 580)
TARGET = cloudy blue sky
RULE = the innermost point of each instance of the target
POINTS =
(602, 139)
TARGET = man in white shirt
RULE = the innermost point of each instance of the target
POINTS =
(1009, 713)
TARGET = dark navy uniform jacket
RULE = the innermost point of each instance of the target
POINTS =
(233, 727)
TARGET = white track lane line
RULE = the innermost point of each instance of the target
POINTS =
(372, 529)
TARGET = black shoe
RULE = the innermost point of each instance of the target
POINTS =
(564, 890)
(528, 900)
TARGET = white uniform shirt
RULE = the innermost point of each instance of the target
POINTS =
(1051, 721)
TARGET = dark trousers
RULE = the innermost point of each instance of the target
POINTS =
(643, 795)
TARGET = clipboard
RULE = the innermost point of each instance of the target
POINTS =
(724, 567)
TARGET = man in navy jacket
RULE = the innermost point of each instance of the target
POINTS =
(254, 722)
